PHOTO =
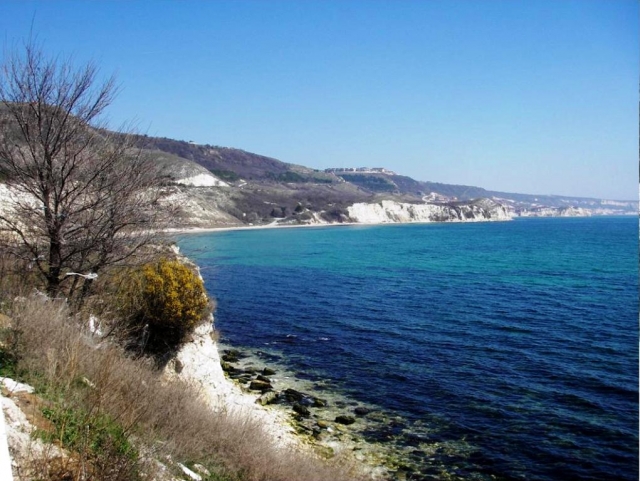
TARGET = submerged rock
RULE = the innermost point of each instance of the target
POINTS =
(291, 395)
(226, 367)
(301, 410)
(231, 355)
(241, 377)
(343, 419)
(302, 429)
(319, 403)
(323, 424)
(260, 386)
(361, 411)
(267, 398)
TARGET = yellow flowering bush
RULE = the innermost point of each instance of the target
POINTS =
(164, 303)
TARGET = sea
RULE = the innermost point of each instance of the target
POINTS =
(510, 346)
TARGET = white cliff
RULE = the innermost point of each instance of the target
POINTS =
(198, 363)
(202, 180)
(191, 174)
(198, 207)
(555, 212)
(390, 212)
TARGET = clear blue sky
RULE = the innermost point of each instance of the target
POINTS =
(531, 96)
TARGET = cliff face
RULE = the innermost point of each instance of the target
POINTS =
(198, 364)
(391, 211)
(556, 212)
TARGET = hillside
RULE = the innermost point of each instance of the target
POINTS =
(259, 189)
(234, 164)
(214, 186)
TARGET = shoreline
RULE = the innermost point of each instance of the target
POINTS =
(285, 421)
(377, 443)
(200, 363)
(311, 407)
(202, 230)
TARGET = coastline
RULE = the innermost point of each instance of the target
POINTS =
(200, 364)
(279, 424)
(202, 230)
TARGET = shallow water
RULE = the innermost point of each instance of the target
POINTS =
(514, 345)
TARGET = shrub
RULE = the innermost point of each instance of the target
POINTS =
(227, 175)
(162, 302)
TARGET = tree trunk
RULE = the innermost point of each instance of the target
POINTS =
(53, 276)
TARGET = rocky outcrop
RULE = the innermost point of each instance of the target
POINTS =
(198, 207)
(198, 363)
(390, 211)
(555, 212)
(21, 453)
(202, 180)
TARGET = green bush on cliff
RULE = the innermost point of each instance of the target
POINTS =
(162, 303)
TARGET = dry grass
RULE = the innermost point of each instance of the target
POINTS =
(98, 387)
(17, 277)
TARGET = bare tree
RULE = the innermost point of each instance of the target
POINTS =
(80, 197)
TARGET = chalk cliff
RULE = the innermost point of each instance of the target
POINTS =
(555, 212)
(198, 363)
(390, 211)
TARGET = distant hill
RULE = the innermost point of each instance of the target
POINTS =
(263, 187)
(219, 186)
(252, 166)
(235, 164)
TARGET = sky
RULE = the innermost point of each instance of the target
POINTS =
(527, 96)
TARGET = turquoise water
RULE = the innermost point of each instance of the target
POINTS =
(518, 340)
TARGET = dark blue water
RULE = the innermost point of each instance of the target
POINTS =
(518, 339)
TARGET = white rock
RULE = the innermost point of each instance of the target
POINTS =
(23, 447)
(15, 386)
(94, 326)
(5, 458)
(190, 473)
(202, 180)
(200, 367)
